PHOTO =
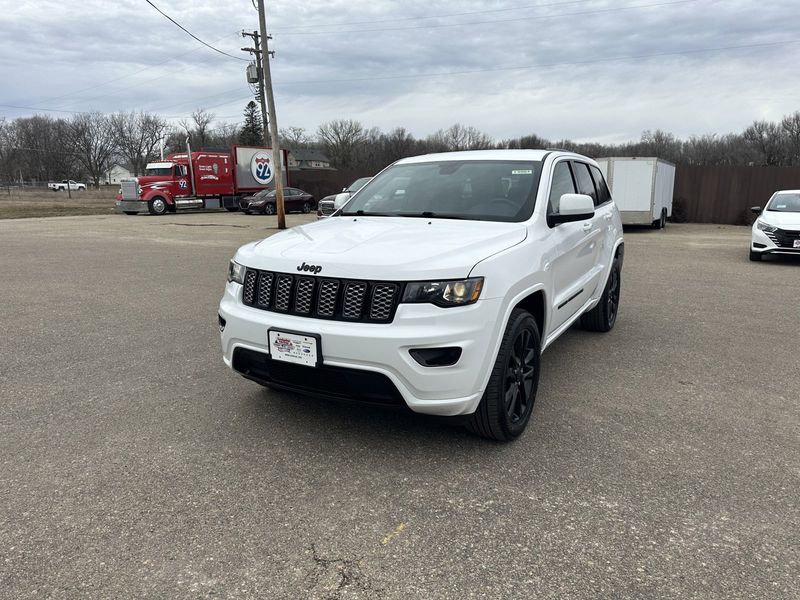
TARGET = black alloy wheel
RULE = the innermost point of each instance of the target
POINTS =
(306, 208)
(612, 305)
(507, 404)
(520, 377)
(603, 316)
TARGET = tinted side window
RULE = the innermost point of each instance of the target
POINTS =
(603, 195)
(584, 180)
(562, 184)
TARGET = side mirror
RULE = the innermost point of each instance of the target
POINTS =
(756, 210)
(340, 200)
(572, 207)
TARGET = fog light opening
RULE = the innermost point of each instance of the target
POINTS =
(436, 357)
(221, 323)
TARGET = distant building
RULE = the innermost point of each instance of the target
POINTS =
(117, 173)
(303, 160)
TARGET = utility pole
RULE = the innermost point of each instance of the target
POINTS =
(273, 121)
(256, 51)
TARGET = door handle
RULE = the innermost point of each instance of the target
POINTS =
(587, 226)
(608, 216)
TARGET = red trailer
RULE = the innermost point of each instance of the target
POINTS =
(208, 180)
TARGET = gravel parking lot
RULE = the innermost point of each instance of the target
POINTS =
(662, 460)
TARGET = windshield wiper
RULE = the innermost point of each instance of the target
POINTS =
(363, 213)
(427, 214)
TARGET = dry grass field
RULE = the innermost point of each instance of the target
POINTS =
(16, 203)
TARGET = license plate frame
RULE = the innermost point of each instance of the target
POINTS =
(296, 347)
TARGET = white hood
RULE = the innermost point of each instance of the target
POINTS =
(383, 248)
(784, 220)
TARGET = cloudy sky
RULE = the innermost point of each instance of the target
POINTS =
(591, 70)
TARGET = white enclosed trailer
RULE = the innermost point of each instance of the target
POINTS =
(642, 188)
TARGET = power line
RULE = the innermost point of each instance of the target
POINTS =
(165, 15)
(472, 23)
(441, 16)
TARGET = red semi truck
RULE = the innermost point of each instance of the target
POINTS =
(208, 180)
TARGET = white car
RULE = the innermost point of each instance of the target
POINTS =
(777, 228)
(436, 287)
(329, 204)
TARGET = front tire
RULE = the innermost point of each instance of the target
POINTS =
(507, 403)
(232, 208)
(306, 208)
(756, 256)
(603, 316)
(131, 212)
(157, 206)
(269, 209)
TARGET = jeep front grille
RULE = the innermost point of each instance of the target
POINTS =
(321, 297)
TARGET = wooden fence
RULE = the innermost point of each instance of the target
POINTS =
(703, 194)
(724, 194)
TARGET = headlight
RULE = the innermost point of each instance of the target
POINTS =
(444, 293)
(765, 226)
(236, 272)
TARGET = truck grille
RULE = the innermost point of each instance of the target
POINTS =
(321, 297)
(326, 208)
(783, 238)
(130, 190)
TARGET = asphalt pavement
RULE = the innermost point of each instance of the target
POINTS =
(662, 459)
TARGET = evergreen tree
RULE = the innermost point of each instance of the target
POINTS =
(252, 132)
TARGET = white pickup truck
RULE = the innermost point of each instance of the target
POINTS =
(61, 186)
(436, 287)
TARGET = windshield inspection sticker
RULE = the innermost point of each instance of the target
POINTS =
(522, 172)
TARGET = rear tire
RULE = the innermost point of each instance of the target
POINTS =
(232, 208)
(663, 218)
(507, 403)
(756, 256)
(130, 212)
(603, 316)
(157, 206)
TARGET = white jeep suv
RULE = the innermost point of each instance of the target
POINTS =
(777, 228)
(436, 287)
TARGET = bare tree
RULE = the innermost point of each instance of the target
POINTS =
(295, 138)
(224, 135)
(137, 137)
(198, 128)
(92, 141)
(767, 141)
(341, 139)
(791, 131)
(460, 137)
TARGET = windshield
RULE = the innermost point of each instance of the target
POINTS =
(489, 190)
(263, 194)
(785, 203)
(358, 184)
(158, 171)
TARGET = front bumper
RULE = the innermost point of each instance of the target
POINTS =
(131, 205)
(384, 348)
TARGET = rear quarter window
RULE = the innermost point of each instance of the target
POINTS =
(603, 194)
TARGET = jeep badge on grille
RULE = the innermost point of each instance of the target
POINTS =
(310, 268)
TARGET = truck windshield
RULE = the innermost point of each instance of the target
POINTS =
(158, 171)
(358, 184)
(489, 190)
(785, 203)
